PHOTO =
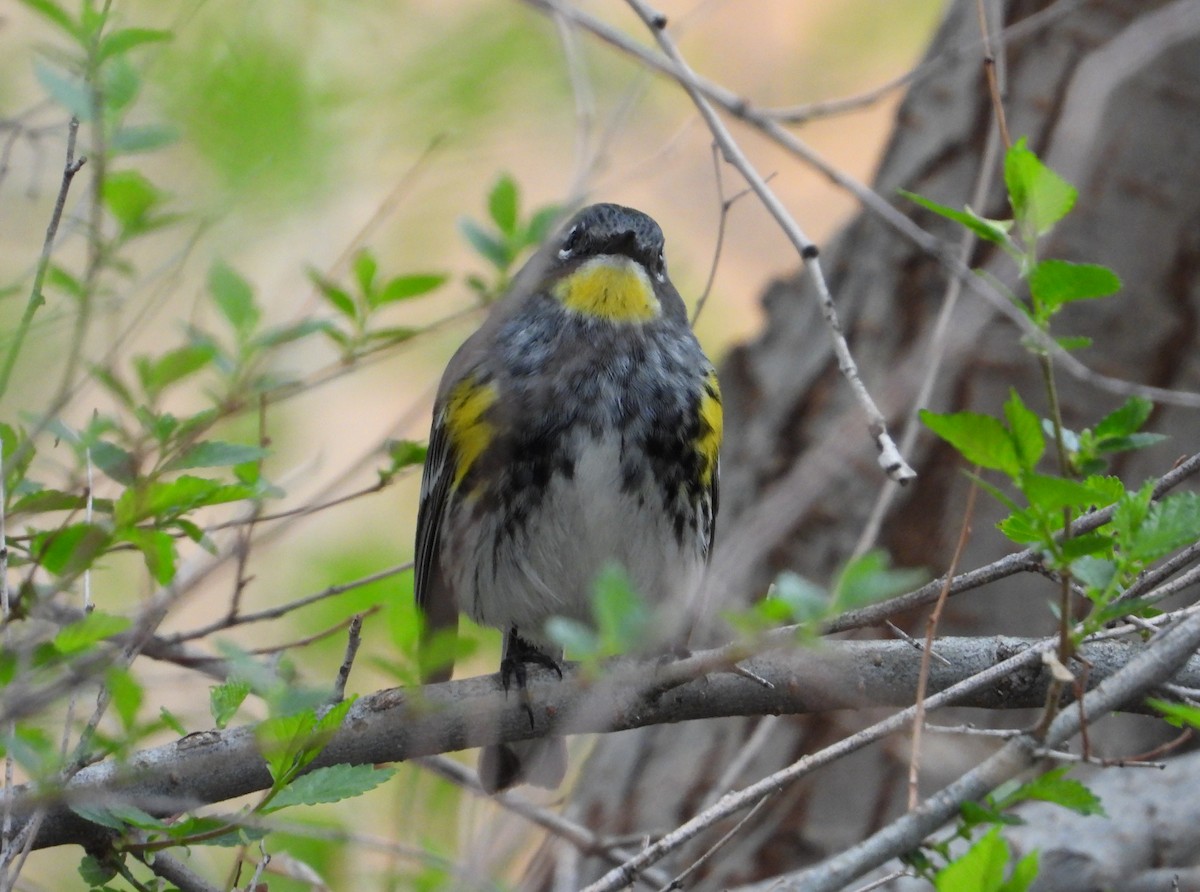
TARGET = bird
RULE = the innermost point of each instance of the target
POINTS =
(579, 427)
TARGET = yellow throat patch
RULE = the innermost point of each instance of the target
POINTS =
(610, 287)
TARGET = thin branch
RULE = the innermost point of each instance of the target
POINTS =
(396, 725)
(871, 202)
(1147, 669)
(36, 299)
(353, 640)
(931, 625)
(890, 459)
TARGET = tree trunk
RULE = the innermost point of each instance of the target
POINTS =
(1108, 94)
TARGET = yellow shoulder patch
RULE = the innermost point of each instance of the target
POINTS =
(609, 287)
(469, 432)
(712, 421)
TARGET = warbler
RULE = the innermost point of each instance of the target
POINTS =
(579, 427)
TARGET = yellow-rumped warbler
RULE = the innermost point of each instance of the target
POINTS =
(579, 426)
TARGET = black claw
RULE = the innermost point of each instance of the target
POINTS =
(519, 653)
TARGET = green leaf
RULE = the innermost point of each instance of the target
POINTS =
(289, 743)
(129, 139)
(1023, 875)
(1130, 442)
(126, 695)
(794, 599)
(1170, 523)
(867, 579)
(541, 223)
(172, 721)
(124, 40)
(48, 500)
(129, 197)
(1177, 714)
(94, 627)
(96, 872)
(119, 816)
(159, 499)
(502, 205)
(620, 611)
(216, 454)
(285, 334)
(72, 549)
(1126, 420)
(330, 784)
(979, 869)
(981, 439)
(365, 268)
(158, 551)
(1026, 527)
(1094, 572)
(1057, 282)
(405, 454)
(1050, 494)
(114, 461)
(1026, 431)
(405, 287)
(576, 638)
(1054, 787)
(225, 699)
(66, 89)
(337, 298)
(121, 82)
(994, 231)
(1074, 342)
(54, 13)
(234, 298)
(158, 374)
(1039, 196)
(492, 249)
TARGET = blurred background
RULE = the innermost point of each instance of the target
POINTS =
(294, 135)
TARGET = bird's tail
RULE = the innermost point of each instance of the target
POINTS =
(541, 762)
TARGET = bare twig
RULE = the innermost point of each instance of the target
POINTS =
(353, 640)
(890, 459)
(964, 536)
(36, 299)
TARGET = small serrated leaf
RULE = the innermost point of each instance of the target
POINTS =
(1026, 431)
(92, 628)
(981, 439)
(330, 784)
(1039, 196)
(1125, 420)
(1057, 282)
(225, 699)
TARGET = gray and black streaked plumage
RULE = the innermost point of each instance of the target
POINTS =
(579, 426)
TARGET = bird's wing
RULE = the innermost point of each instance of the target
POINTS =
(435, 599)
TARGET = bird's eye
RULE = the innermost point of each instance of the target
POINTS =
(660, 267)
(569, 244)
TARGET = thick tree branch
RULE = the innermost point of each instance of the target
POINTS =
(399, 724)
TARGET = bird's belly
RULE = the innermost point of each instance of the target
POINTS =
(522, 575)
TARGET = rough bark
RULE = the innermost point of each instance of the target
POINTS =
(1108, 95)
